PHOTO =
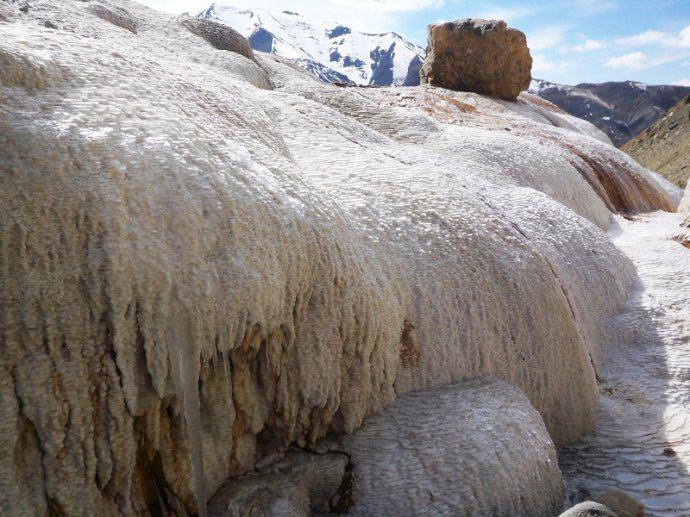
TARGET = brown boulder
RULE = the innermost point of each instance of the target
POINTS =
(479, 56)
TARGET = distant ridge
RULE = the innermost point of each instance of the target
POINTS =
(620, 109)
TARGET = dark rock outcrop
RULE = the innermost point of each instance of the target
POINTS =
(261, 40)
(412, 77)
(218, 35)
(324, 73)
(620, 109)
(480, 56)
(382, 66)
(340, 30)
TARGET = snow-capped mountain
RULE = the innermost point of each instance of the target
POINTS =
(620, 109)
(329, 50)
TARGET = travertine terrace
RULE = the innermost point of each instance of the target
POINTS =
(205, 259)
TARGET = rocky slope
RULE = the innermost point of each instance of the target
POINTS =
(215, 268)
(330, 51)
(620, 109)
(665, 146)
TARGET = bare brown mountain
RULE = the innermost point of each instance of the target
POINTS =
(665, 145)
(620, 109)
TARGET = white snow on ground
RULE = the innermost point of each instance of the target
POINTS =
(641, 443)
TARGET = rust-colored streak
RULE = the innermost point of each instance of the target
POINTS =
(683, 239)
(538, 101)
(622, 189)
(409, 353)
(462, 106)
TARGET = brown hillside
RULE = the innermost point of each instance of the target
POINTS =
(665, 146)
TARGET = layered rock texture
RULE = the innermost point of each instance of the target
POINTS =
(439, 449)
(206, 260)
(479, 56)
(665, 146)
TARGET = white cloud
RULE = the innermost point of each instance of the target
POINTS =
(631, 61)
(541, 64)
(546, 37)
(589, 45)
(684, 37)
(644, 38)
(680, 39)
(682, 82)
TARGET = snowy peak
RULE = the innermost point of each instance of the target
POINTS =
(328, 50)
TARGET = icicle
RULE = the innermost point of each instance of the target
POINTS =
(184, 357)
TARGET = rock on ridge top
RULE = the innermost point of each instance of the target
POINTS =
(481, 56)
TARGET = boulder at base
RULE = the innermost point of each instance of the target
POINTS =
(480, 56)
(474, 448)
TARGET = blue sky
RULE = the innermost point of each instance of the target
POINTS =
(571, 41)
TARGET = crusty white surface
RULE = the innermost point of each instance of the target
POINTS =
(474, 448)
(185, 252)
(641, 442)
